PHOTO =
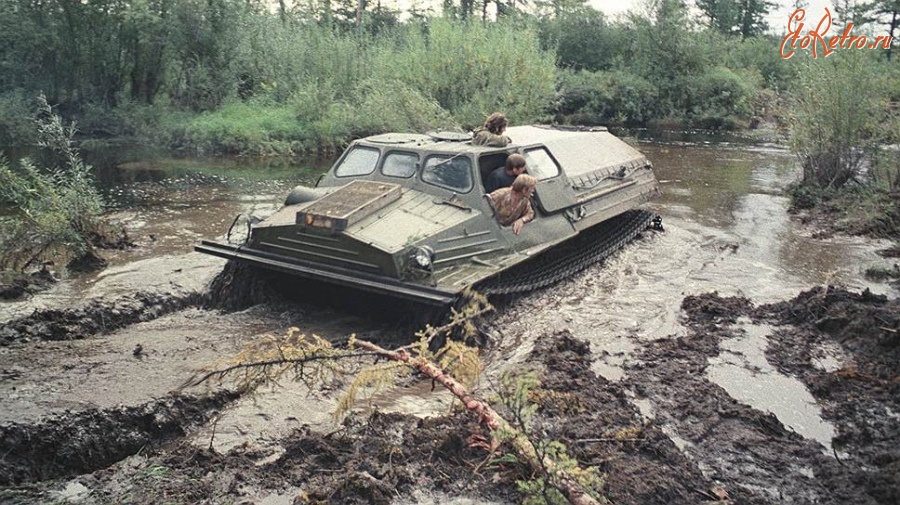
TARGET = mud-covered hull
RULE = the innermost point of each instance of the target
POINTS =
(329, 273)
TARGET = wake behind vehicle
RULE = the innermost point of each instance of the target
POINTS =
(405, 215)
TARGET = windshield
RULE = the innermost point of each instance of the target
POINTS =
(358, 161)
(450, 172)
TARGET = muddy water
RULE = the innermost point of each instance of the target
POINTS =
(727, 230)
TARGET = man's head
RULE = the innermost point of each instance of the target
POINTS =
(495, 123)
(524, 184)
(515, 164)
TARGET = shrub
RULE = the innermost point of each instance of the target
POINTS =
(381, 106)
(57, 209)
(839, 117)
(606, 97)
(716, 99)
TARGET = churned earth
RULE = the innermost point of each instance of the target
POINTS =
(92, 420)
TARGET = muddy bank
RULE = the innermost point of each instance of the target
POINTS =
(751, 452)
(386, 458)
(666, 433)
(77, 443)
(860, 393)
(94, 317)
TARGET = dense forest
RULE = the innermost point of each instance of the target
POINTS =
(252, 77)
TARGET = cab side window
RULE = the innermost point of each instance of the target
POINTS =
(450, 172)
(400, 164)
(540, 164)
(358, 161)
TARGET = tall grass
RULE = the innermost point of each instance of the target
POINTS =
(304, 87)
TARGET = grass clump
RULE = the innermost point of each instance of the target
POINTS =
(249, 128)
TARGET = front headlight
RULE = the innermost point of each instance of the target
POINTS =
(423, 257)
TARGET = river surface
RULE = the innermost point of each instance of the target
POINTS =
(727, 229)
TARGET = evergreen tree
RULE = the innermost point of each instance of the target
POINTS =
(888, 11)
(746, 18)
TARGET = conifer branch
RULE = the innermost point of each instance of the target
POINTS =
(559, 478)
(221, 373)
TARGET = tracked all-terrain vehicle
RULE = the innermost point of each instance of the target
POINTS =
(405, 215)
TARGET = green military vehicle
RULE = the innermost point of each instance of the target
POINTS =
(405, 214)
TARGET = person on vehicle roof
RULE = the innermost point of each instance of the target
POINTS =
(512, 205)
(504, 176)
(491, 134)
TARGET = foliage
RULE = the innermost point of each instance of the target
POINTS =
(757, 55)
(606, 97)
(257, 127)
(716, 99)
(380, 106)
(137, 68)
(57, 209)
(584, 39)
(473, 69)
(454, 357)
(838, 118)
(746, 18)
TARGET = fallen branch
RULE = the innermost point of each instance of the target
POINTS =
(561, 480)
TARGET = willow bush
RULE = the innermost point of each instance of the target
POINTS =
(840, 117)
(55, 209)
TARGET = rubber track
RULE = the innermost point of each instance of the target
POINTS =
(589, 247)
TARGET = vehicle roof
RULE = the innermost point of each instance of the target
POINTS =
(579, 150)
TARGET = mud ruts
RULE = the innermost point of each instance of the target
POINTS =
(77, 443)
(96, 317)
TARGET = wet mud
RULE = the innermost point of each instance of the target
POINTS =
(15, 286)
(664, 433)
(861, 396)
(81, 442)
(96, 316)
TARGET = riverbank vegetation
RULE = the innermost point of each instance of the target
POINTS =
(54, 207)
(235, 77)
(845, 129)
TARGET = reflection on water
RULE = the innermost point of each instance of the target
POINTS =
(168, 203)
